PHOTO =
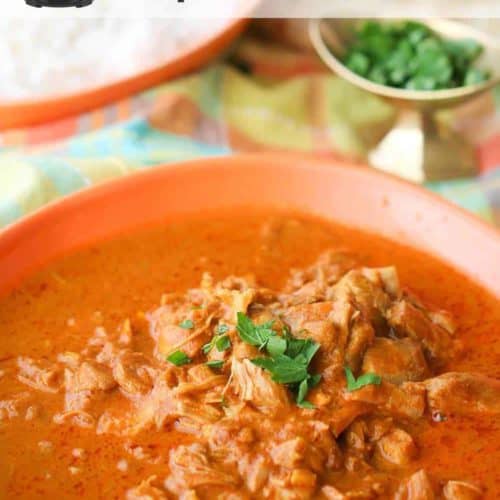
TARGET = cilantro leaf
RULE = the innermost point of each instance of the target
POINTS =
(354, 384)
(314, 380)
(301, 349)
(221, 329)
(289, 357)
(223, 343)
(215, 365)
(276, 346)
(256, 335)
(307, 405)
(304, 387)
(283, 369)
(303, 390)
(187, 324)
(207, 347)
(179, 358)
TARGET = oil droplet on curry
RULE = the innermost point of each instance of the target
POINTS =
(249, 355)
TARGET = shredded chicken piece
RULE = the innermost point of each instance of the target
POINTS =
(85, 384)
(460, 393)
(147, 490)
(255, 472)
(397, 447)
(461, 490)
(190, 468)
(252, 384)
(40, 374)
(410, 321)
(133, 373)
(406, 400)
(397, 361)
(14, 406)
(332, 493)
(289, 454)
(417, 487)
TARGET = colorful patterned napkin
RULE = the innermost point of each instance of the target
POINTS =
(265, 97)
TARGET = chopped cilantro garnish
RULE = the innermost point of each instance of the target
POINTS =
(283, 369)
(289, 357)
(354, 384)
(215, 365)
(221, 329)
(256, 335)
(187, 324)
(179, 358)
(222, 343)
(276, 345)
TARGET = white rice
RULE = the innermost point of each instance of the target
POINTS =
(46, 56)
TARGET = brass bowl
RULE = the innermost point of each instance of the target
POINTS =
(417, 148)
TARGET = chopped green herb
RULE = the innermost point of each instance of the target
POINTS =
(354, 384)
(289, 357)
(314, 380)
(179, 358)
(303, 390)
(256, 335)
(220, 341)
(307, 405)
(276, 346)
(223, 343)
(187, 324)
(215, 365)
(207, 347)
(283, 369)
(410, 55)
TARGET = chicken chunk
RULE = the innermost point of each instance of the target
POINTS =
(86, 383)
(361, 337)
(397, 447)
(40, 374)
(408, 320)
(313, 321)
(463, 394)
(191, 468)
(461, 490)
(417, 487)
(133, 373)
(384, 277)
(396, 361)
(332, 493)
(184, 328)
(148, 489)
(371, 300)
(326, 271)
(289, 454)
(251, 383)
(406, 400)
(254, 471)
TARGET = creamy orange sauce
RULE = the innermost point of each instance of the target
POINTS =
(58, 309)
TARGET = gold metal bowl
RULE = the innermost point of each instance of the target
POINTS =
(418, 147)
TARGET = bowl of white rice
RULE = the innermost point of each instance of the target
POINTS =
(54, 67)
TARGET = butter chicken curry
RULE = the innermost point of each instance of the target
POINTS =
(252, 355)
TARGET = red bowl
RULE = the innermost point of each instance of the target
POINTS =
(353, 195)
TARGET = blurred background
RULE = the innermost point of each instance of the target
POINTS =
(131, 95)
